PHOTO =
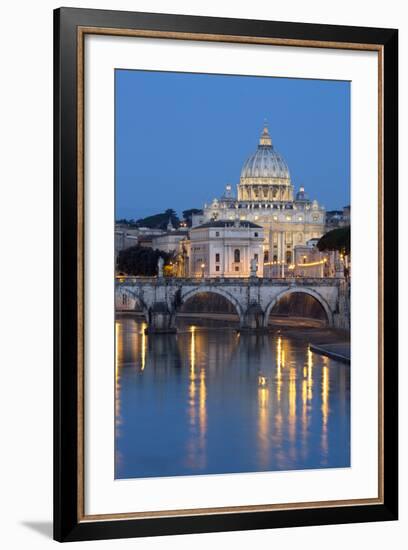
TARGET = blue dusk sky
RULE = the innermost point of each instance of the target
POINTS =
(181, 137)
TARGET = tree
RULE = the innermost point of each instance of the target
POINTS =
(336, 239)
(129, 223)
(160, 221)
(141, 260)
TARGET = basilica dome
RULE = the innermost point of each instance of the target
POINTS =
(265, 163)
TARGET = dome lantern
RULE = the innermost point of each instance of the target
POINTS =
(265, 139)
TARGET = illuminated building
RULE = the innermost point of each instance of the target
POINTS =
(224, 248)
(266, 197)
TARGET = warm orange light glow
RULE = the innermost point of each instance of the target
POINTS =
(192, 353)
(197, 394)
(191, 400)
(310, 264)
(309, 374)
(118, 346)
(263, 424)
(325, 406)
(262, 381)
(143, 352)
(305, 416)
(325, 394)
(304, 400)
(292, 404)
(203, 404)
(279, 368)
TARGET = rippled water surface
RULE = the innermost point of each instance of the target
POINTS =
(209, 401)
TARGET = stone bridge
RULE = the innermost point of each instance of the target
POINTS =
(161, 298)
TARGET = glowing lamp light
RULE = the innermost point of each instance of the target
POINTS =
(262, 381)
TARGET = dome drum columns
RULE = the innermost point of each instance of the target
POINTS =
(265, 192)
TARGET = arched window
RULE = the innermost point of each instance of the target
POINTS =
(237, 255)
(288, 257)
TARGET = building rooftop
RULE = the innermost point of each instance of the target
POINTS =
(174, 232)
(228, 223)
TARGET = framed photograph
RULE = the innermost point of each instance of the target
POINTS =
(225, 274)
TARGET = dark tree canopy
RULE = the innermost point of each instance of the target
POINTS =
(336, 239)
(160, 221)
(140, 260)
(130, 223)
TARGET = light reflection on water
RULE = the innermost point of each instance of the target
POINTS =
(209, 401)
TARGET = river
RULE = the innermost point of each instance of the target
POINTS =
(211, 400)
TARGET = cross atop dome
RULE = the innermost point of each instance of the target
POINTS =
(265, 139)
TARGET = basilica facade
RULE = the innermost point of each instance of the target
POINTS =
(266, 197)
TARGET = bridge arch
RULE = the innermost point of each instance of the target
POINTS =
(122, 291)
(212, 290)
(300, 290)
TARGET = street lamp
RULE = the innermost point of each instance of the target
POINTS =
(202, 270)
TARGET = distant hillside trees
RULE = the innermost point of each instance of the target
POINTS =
(160, 221)
(141, 260)
(336, 239)
(130, 223)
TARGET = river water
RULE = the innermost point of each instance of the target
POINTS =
(210, 400)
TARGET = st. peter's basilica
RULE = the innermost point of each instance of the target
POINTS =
(265, 220)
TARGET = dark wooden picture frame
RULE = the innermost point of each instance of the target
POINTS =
(70, 27)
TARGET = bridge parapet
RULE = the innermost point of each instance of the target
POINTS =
(231, 281)
(160, 298)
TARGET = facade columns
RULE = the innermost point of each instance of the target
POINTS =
(282, 253)
(270, 253)
(283, 256)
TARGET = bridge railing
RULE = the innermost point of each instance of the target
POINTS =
(216, 281)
